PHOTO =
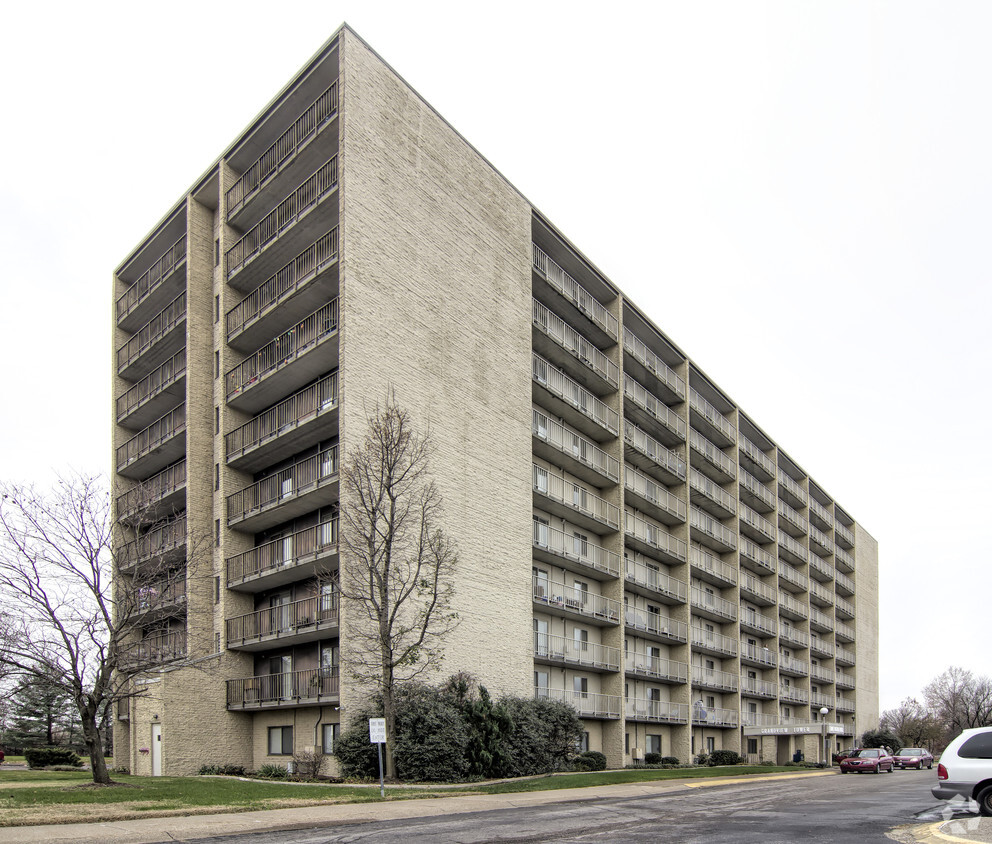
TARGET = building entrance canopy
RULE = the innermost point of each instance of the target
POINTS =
(813, 728)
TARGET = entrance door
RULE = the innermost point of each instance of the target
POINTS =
(156, 750)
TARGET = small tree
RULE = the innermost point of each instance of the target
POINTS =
(398, 562)
(41, 714)
(879, 738)
(959, 700)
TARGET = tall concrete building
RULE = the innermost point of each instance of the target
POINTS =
(630, 540)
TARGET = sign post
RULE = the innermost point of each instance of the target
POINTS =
(377, 736)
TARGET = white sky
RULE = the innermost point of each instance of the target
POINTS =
(798, 193)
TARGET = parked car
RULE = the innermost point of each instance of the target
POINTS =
(841, 755)
(914, 757)
(965, 769)
(874, 759)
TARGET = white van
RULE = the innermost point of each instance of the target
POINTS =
(965, 769)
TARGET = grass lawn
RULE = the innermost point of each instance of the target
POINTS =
(35, 797)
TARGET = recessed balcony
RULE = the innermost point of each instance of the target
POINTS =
(820, 516)
(643, 363)
(705, 529)
(820, 542)
(161, 495)
(817, 699)
(707, 567)
(287, 428)
(790, 520)
(708, 605)
(756, 526)
(844, 559)
(151, 450)
(756, 590)
(793, 666)
(651, 625)
(717, 426)
(310, 687)
(843, 632)
(653, 498)
(160, 390)
(845, 609)
(821, 647)
(791, 579)
(758, 655)
(574, 552)
(298, 556)
(587, 704)
(819, 620)
(653, 540)
(844, 680)
(574, 603)
(152, 651)
(715, 464)
(286, 297)
(753, 687)
(791, 550)
(557, 495)
(154, 289)
(710, 496)
(711, 642)
(646, 452)
(652, 414)
(844, 704)
(844, 656)
(754, 493)
(557, 444)
(843, 584)
(818, 672)
(820, 595)
(160, 599)
(159, 547)
(572, 402)
(820, 568)
(656, 668)
(789, 635)
(291, 224)
(305, 486)
(757, 558)
(575, 653)
(709, 716)
(755, 622)
(155, 342)
(789, 607)
(580, 302)
(656, 711)
(288, 624)
(643, 579)
(791, 694)
(791, 491)
(556, 340)
(710, 678)
(843, 535)
(756, 461)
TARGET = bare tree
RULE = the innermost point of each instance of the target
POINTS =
(960, 700)
(913, 723)
(398, 564)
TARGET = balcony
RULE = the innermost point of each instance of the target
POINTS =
(708, 605)
(309, 687)
(656, 668)
(820, 541)
(756, 525)
(844, 559)
(843, 583)
(759, 592)
(709, 568)
(152, 651)
(715, 463)
(844, 656)
(820, 594)
(298, 556)
(758, 655)
(791, 491)
(790, 577)
(843, 632)
(286, 156)
(656, 711)
(756, 622)
(572, 402)
(791, 550)
(155, 342)
(574, 603)
(753, 687)
(286, 297)
(652, 414)
(587, 704)
(305, 486)
(790, 520)
(845, 680)
(844, 704)
(576, 295)
(792, 608)
(154, 289)
(710, 497)
(709, 678)
(574, 653)
(160, 496)
(553, 441)
(652, 540)
(818, 699)
(709, 716)
(818, 672)
(645, 451)
(250, 259)
(161, 599)
(653, 625)
(819, 514)
(153, 395)
(645, 362)
(755, 557)
(791, 665)
(793, 695)
(843, 535)
(581, 359)
(845, 609)
(820, 569)
(646, 580)
(761, 719)
(574, 552)
(791, 636)
(573, 502)
(755, 493)
(711, 642)
(161, 443)
(160, 547)
(289, 624)
(757, 462)
(648, 495)
(302, 420)
(708, 531)
(253, 385)
(718, 426)
(820, 647)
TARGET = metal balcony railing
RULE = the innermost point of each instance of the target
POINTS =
(560, 385)
(154, 650)
(755, 520)
(302, 477)
(702, 638)
(576, 446)
(792, 516)
(698, 403)
(152, 384)
(714, 716)
(149, 281)
(658, 711)
(703, 447)
(790, 663)
(652, 363)
(649, 577)
(704, 561)
(759, 654)
(653, 449)
(844, 582)
(713, 679)
(818, 672)
(822, 566)
(757, 456)
(309, 614)
(161, 595)
(841, 531)
(575, 293)
(150, 492)
(793, 487)
(587, 704)
(845, 680)
(845, 704)
(701, 599)
(576, 652)
(152, 437)
(284, 552)
(786, 600)
(654, 407)
(820, 645)
(699, 482)
(655, 623)
(760, 719)
(577, 548)
(820, 699)
(794, 547)
(575, 344)
(754, 686)
(844, 655)
(656, 666)
(757, 488)
(283, 284)
(289, 689)
(754, 552)
(818, 590)
(574, 496)
(285, 215)
(821, 513)
(844, 631)
(844, 558)
(650, 490)
(791, 575)
(556, 595)
(164, 539)
(758, 621)
(655, 536)
(285, 147)
(820, 538)
(790, 635)
(711, 527)
(793, 695)
(844, 607)
(751, 585)
(152, 331)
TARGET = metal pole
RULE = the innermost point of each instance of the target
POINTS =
(382, 787)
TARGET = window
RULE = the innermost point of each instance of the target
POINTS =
(710, 701)
(216, 420)
(626, 742)
(540, 637)
(583, 742)
(540, 582)
(217, 254)
(752, 746)
(540, 479)
(280, 741)
(581, 686)
(977, 747)
(581, 544)
(652, 743)
(580, 498)
(710, 744)
(541, 683)
(217, 532)
(217, 590)
(216, 475)
(217, 364)
(217, 308)
(581, 639)
(541, 530)
(328, 737)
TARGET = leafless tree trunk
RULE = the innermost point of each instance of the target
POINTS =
(397, 561)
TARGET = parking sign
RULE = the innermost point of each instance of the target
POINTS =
(377, 730)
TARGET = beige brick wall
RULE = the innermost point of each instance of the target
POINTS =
(866, 592)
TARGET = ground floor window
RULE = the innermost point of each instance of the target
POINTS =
(710, 744)
(280, 741)
(583, 742)
(329, 737)
(752, 745)
(652, 744)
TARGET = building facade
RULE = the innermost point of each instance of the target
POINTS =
(630, 541)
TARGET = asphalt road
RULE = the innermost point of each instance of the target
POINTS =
(856, 807)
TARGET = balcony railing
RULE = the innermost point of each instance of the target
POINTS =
(820, 646)
(844, 558)
(657, 711)
(560, 649)
(820, 565)
(284, 552)
(791, 636)
(701, 484)
(793, 695)
(706, 524)
(844, 607)
(161, 595)
(574, 445)
(652, 491)
(713, 679)
(160, 431)
(845, 680)
(575, 293)
(653, 407)
(152, 331)
(301, 407)
(796, 666)
(575, 344)
(761, 719)
(820, 512)
(285, 215)
(649, 446)
(560, 385)
(755, 520)
(757, 621)
(845, 704)
(788, 602)
(705, 562)
(844, 631)
(555, 595)
(587, 704)
(655, 666)
(818, 672)
(652, 363)
(714, 716)
(310, 614)
(701, 599)
(762, 688)
(819, 699)
(655, 537)
(165, 266)
(792, 546)
(757, 456)
(821, 593)
(284, 148)
(703, 447)
(312, 685)
(284, 283)
(150, 492)
(165, 539)
(757, 488)
(656, 624)
(793, 517)
(793, 576)
(755, 553)
(818, 537)
(702, 638)
(759, 654)
(843, 532)
(577, 548)
(821, 619)
(752, 586)
(791, 485)
(712, 415)
(844, 655)
(650, 578)
(302, 477)
(575, 497)
(152, 384)
(844, 582)
(154, 650)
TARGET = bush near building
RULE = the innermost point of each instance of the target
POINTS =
(45, 757)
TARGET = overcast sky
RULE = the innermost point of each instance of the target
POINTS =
(797, 193)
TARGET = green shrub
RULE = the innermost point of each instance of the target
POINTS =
(593, 758)
(272, 772)
(702, 759)
(652, 758)
(669, 760)
(43, 757)
(581, 765)
(724, 757)
(223, 770)
(542, 735)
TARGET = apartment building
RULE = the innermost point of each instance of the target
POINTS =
(631, 541)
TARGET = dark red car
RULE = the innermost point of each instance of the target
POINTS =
(873, 759)
(914, 757)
